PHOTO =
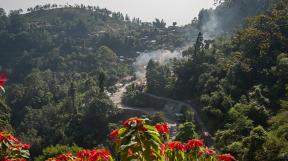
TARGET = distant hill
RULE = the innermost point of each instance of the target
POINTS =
(76, 28)
(48, 34)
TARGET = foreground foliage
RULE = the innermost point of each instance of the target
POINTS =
(239, 84)
(11, 148)
(136, 140)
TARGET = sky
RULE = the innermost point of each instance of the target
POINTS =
(180, 11)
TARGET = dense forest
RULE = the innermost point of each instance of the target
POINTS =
(238, 84)
(61, 64)
(60, 59)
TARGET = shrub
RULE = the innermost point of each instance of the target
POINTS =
(12, 149)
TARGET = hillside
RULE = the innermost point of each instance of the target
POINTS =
(61, 60)
(87, 28)
(237, 83)
(64, 65)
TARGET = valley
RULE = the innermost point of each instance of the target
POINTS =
(85, 83)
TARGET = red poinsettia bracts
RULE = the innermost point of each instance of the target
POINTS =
(84, 154)
(12, 149)
(94, 155)
(22, 146)
(64, 157)
(6, 136)
(209, 151)
(226, 157)
(3, 79)
(130, 152)
(191, 144)
(114, 134)
(162, 128)
(100, 154)
(175, 145)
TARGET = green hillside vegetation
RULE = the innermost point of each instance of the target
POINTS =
(239, 84)
(61, 60)
(77, 28)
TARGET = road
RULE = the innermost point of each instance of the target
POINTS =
(117, 97)
(197, 118)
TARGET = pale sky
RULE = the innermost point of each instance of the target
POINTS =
(181, 11)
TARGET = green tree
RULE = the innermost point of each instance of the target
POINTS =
(159, 24)
(101, 80)
(159, 79)
(256, 140)
(186, 131)
(5, 113)
(73, 95)
(198, 45)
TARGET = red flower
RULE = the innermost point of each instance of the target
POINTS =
(200, 153)
(26, 146)
(113, 134)
(84, 154)
(133, 122)
(22, 146)
(64, 157)
(10, 137)
(4, 136)
(175, 145)
(226, 157)
(209, 151)
(100, 154)
(162, 128)
(105, 154)
(130, 152)
(93, 155)
(3, 79)
(194, 143)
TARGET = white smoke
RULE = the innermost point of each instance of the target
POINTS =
(211, 28)
(162, 56)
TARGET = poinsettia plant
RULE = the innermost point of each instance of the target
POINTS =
(135, 140)
(11, 148)
(3, 80)
(139, 141)
(174, 150)
(85, 155)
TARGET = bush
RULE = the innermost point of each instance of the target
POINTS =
(135, 140)
(12, 149)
